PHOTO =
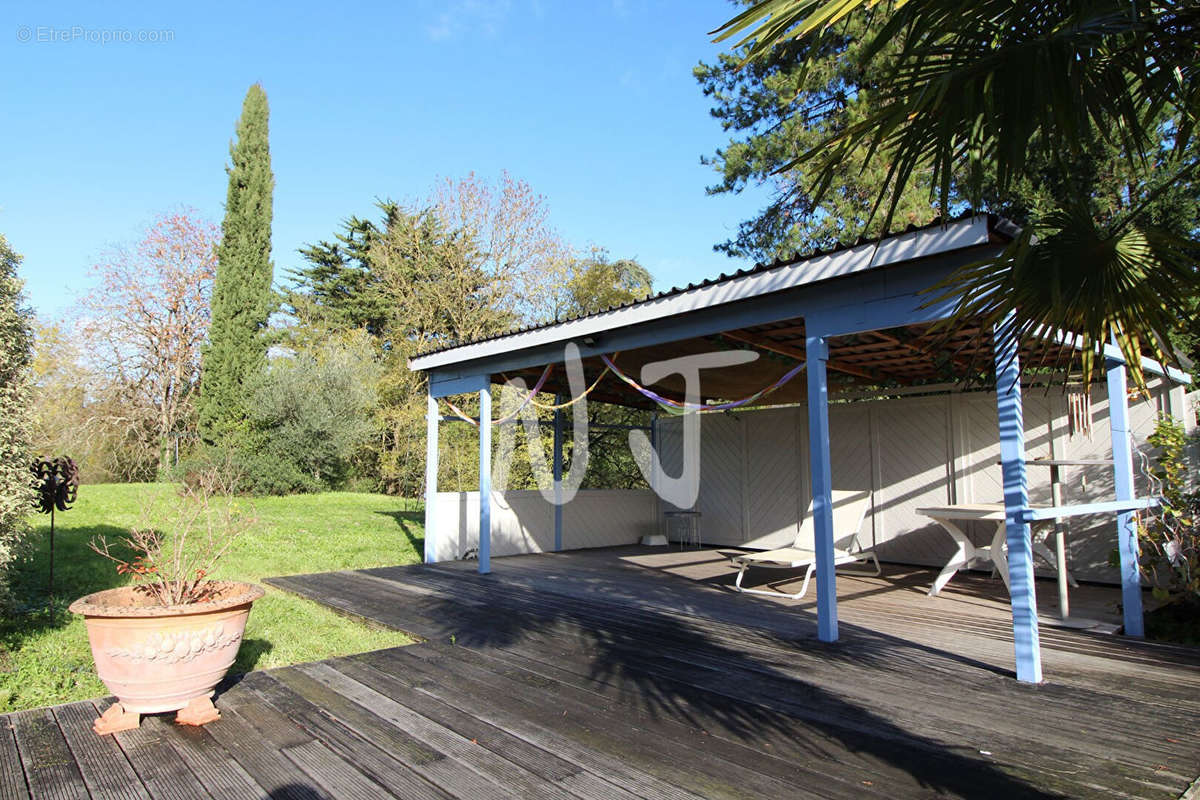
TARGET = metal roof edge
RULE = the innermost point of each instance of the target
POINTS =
(968, 230)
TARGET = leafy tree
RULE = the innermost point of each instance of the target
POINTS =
(507, 222)
(980, 95)
(143, 332)
(597, 282)
(783, 105)
(336, 288)
(242, 298)
(435, 283)
(421, 278)
(16, 356)
(310, 415)
(93, 414)
(411, 281)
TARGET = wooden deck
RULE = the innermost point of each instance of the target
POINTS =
(628, 673)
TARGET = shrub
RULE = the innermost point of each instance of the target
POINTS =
(1169, 537)
(175, 566)
(16, 356)
(310, 414)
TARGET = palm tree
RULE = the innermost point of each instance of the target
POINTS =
(978, 92)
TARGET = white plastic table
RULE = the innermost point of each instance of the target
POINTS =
(966, 551)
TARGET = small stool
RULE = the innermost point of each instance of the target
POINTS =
(684, 527)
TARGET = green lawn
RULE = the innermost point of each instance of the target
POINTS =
(44, 656)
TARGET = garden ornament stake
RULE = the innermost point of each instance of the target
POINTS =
(57, 484)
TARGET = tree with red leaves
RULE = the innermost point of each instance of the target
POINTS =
(146, 322)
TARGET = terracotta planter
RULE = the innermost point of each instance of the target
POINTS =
(164, 658)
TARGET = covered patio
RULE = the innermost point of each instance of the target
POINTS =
(812, 329)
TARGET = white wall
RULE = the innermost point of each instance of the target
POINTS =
(523, 521)
(910, 452)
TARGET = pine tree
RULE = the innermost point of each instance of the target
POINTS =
(242, 298)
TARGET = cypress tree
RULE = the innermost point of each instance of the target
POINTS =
(242, 298)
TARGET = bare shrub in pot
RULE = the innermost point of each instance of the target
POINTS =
(164, 642)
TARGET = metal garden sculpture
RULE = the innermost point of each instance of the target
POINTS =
(57, 484)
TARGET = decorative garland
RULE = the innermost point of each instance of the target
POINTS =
(678, 408)
(573, 400)
(458, 412)
(667, 404)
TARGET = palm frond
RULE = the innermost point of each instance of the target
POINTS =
(1076, 278)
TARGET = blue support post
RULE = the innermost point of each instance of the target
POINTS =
(431, 476)
(485, 480)
(1022, 591)
(558, 470)
(817, 350)
(1122, 450)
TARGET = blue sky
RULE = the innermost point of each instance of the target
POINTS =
(592, 103)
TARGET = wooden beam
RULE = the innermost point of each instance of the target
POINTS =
(924, 351)
(789, 330)
(782, 349)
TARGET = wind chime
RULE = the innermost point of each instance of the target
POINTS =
(1079, 412)
(57, 484)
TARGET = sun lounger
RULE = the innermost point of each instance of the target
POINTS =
(849, 511)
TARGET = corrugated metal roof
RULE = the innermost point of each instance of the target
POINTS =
(995, 225)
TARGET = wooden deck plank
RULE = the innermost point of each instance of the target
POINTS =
(370, 756)
(628, 672)
(1008, 686)
(50, 769)
(542, 762)
(158, 766)
(690, 762)
(465, 768)
(431, 764)
(952, 704)
(342, 779)
(517, 720)
(12, 774)
(915, 739)
(217, 771)
(716, 654)
(1166, 696)
(684, 727)
(952, 765)
(106, 771)
(261, 759)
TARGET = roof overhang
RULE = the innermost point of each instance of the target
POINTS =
(877, 328)
(970, 232)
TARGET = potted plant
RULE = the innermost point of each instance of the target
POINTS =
(164, 642)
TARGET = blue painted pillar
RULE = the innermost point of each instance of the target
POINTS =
(1022, 591)
(431, 476)
(1122, 450)
(558, 469)
(485, 480)
(817, 349)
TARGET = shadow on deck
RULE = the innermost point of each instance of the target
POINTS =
(629, 672)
